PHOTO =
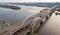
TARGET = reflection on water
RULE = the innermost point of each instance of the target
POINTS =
(52, 26)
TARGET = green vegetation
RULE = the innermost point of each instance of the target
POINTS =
(10, 7)
(29, 33)
(35, 33)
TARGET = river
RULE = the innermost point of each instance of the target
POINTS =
(51, 27)
(17, 16)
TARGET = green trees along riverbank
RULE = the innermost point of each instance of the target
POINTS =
(10, 7)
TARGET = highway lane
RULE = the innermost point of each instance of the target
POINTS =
(51, 27)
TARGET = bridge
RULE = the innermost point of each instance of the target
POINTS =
(34, 24)
(20, 28)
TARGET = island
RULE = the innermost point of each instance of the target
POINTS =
(10, 7)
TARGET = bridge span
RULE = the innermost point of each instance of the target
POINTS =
(31, 24)
(43, 15)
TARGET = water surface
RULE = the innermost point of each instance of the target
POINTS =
(51, 27)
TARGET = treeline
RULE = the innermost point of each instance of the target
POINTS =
(10, 7)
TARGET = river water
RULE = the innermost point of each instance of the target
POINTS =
(51, 27)
(17, 16)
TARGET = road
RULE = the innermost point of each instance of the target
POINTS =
(51, 27)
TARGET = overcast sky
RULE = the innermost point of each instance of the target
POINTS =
(29, 0)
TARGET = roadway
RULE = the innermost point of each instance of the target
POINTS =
(51, 27)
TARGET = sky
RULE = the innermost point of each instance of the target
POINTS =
(29, 0)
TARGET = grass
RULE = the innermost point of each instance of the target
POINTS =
(10, 7)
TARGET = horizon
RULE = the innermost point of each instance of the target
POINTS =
(29, 1)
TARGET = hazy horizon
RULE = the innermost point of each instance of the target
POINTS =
(29, 0)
